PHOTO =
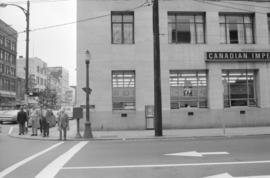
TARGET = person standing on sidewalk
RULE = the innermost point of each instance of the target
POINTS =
(21, 118)
(63, 123)
(34, 118)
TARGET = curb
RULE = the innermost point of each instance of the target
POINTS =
(150, 138)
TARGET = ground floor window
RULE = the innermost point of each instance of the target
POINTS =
(188, 89)
(239, 88)
(123, 90)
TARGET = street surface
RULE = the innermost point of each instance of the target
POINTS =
(247, 156)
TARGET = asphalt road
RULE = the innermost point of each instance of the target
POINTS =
(236, 156)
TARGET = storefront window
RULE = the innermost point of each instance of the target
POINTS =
(188, 89)
(239, 88)
(123, 90)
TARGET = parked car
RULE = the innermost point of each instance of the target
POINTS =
(8, 116)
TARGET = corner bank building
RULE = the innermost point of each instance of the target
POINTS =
(215, 63)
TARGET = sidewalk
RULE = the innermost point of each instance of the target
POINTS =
(147, 134)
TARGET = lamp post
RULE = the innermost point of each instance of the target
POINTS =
(27, 15)
(87, 128)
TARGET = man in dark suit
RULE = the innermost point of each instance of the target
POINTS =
(21, 118)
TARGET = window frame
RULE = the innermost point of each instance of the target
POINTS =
(243, 15)
(114, 72)
(198, 100)
(226, 76)
(194, 14)
(122, 14)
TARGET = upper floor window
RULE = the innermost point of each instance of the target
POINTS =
(122, 27)
(186, 27)
(268, 17)
(1, 40)
(236, 28)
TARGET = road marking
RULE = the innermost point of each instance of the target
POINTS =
(10, 130)
(196, 154)
(54, 167)
(226, 175)
(169, 165)
(19, 164)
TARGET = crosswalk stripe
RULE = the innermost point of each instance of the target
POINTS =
(54, 167)
(19, 164)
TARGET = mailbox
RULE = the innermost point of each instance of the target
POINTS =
(78, 112)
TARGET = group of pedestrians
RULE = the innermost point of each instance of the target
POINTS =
(43, 119)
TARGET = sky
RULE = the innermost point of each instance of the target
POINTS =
(55, 46)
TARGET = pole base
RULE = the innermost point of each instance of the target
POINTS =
(78, 135)
(87, 130)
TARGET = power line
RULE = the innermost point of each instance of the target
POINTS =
(79, 21)
(227, 6)
(266, 7)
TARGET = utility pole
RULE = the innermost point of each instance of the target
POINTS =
(27, 15)
(157, 81)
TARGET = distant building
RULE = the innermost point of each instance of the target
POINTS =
(37, 72)
(8, 48)
(70, 96)
(60, 77)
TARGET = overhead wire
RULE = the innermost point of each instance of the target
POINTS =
(227, 6)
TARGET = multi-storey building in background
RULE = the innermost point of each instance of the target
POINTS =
(37, 73)
(214, 62)
(61, 76)
(8, 52)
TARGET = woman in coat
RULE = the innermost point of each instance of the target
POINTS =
(35, 117)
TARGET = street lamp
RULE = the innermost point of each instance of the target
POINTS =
(27, 15)
(87, 128)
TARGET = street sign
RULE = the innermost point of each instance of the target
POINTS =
(78, 112)
(196, 154)
(87, 90)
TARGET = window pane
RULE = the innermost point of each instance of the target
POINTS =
(172, 33)
(117, 31)
(200, 33)
(233, 33)
(222, 35)
(171, 18)
(241, 33)
(234, 19)
(185, 18)
(128, 18)
(116, 18)
(128, 33)
(247, 19)
(183, 33)
(199, 18)
(249, 34)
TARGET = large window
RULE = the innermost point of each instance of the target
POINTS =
(268, 17)
(123, 90)
(236, 29)
(188, 89)
(122, 27)
(239, 88)
(186, 27)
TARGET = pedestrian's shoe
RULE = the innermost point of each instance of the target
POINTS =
(19, 133)
(32, 134)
